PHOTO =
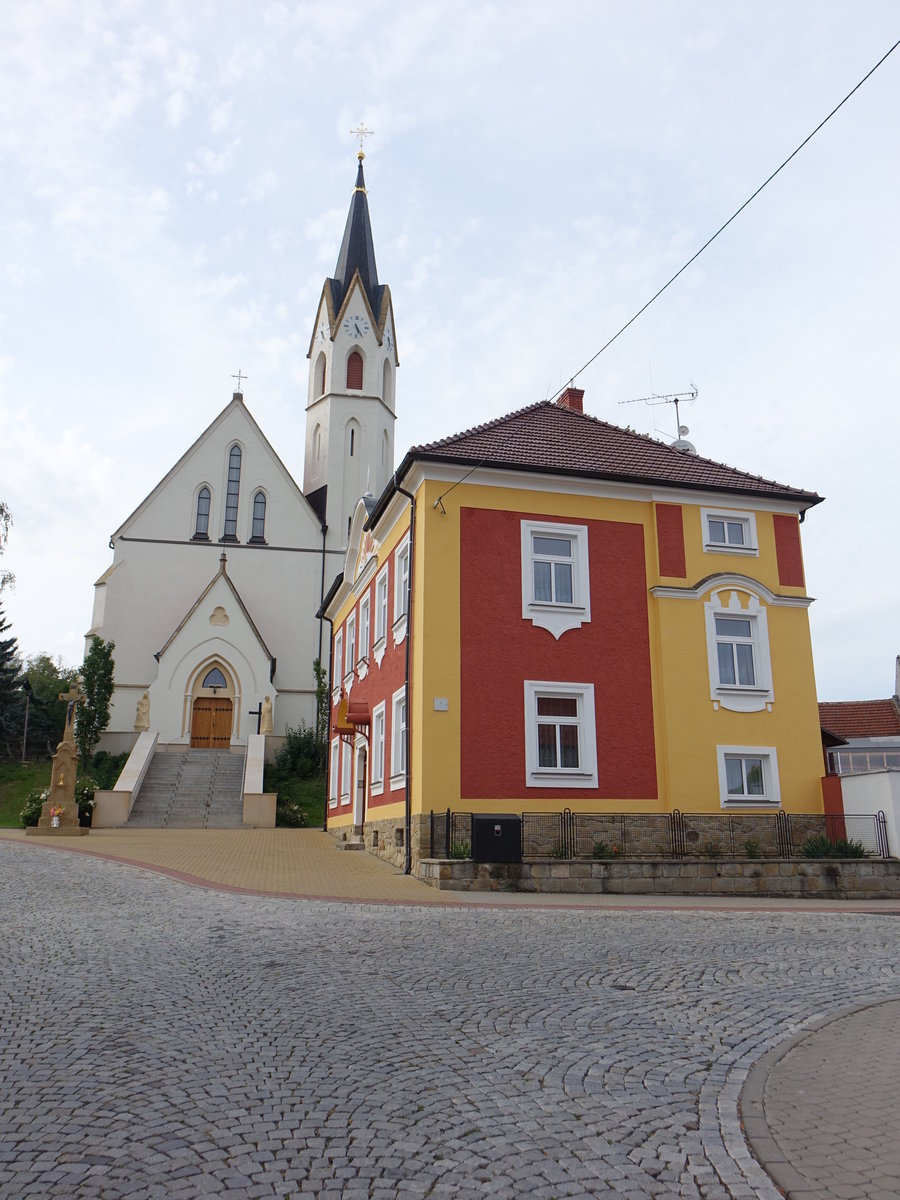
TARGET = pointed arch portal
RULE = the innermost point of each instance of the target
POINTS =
(212, 708)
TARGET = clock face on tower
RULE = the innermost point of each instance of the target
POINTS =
(356, 327)
(389, 339)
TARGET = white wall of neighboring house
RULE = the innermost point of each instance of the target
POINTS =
(879, 791)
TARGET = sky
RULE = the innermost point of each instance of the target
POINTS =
(176, 177)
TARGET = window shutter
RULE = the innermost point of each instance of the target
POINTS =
(355, 371)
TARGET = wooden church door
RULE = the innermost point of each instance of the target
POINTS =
(211, 723)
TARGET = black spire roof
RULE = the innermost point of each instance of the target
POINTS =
(357, 251)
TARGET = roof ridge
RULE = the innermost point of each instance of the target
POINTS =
(493, 424)
(570, 414)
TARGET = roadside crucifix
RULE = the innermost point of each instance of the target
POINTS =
(72, 697)
(59, 812)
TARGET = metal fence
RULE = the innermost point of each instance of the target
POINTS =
(566, 835)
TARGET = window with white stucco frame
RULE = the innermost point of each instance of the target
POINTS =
(748, 776)
(556, 592)
(560, 735)
(401, 590)
(377, 770)
(398, 738)
(737, 642)
(729, 531)
(346, 772)
(338, 665)
(350, 651)
(362, 662)
(333, 774)
(381, 613)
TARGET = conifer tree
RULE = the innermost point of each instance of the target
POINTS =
(11, 697)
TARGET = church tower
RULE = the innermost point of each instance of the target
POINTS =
(350, 411)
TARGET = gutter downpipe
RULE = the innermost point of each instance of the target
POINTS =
(328, 719)
(330, 666)
(407, 860)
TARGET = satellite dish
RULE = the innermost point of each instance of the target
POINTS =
(683, 431)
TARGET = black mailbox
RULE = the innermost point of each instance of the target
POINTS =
(496, 839)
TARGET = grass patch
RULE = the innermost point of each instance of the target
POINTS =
(301, 802)
(16, 781)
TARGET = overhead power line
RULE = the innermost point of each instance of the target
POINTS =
(709, 241)
(735, 214)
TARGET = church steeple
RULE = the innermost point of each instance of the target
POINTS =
(357, 250)
(350, 411)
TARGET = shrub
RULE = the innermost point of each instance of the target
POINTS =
(106, 769)
(752, 848)
(820, 845)
(711, 849)
(84, 798)
(302, 755)
(30, 814)
(461, 850)
(289, 814)
(602, 849)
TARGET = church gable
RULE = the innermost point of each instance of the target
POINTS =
(229, 486)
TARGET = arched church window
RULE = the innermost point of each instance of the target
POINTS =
(231, 496)
(352, 440)
(317, 442)
(201, 524)
(387, 383)
(320, 375)
(355, 371)
(214, 679)
(259, 518)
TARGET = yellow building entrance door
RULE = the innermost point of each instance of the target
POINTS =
(211, 723)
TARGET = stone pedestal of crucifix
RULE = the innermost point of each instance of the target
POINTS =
(59, 812)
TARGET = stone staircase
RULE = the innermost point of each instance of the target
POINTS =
(191, 789)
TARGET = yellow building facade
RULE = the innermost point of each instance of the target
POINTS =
(578, 618)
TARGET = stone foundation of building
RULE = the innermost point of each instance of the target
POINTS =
(821, 879)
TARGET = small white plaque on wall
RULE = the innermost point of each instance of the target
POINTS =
(441, 704)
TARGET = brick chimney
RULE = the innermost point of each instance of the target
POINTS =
(572, 398)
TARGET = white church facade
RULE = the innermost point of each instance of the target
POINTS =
(217, 575)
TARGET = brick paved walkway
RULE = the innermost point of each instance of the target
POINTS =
(822, 1110)
(162, 1040)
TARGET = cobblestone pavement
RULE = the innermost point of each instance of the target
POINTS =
(161, 1040)
(821, 1110)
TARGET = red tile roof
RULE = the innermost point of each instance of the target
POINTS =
(560, 441)
(860, 718)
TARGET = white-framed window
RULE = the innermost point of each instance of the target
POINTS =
(377, 769)
(748, 776)
(398, 738)
(560, 734)
(362, 662)
(737, 637)
(350, 652)
(729, 531)
(346, 772)
(381, 613)
(337, 665)
(333, 780)
(555, 581)
(401, 590)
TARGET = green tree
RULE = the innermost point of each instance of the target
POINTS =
(12, 699)
(92, 717)
(47, 713)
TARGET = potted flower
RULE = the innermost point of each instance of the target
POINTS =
(56, 811)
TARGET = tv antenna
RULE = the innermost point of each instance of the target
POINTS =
(676, 398)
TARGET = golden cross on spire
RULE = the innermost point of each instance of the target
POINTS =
(361, 133)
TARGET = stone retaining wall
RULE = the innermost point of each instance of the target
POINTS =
(384, 839)
(827, 879)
